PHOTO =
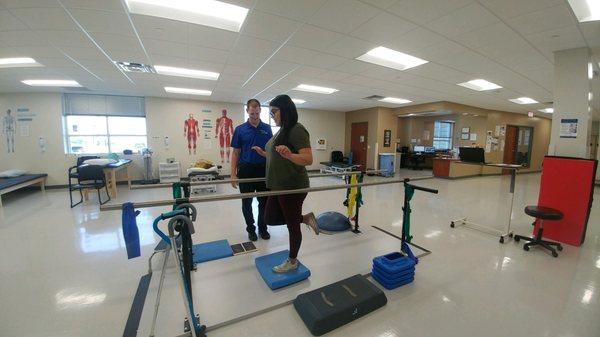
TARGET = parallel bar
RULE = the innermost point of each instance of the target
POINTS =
(211, 198)
(248, 180)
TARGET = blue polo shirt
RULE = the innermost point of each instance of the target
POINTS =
(245, 136)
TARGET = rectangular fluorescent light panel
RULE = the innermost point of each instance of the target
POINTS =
(480, 85)
(391, 58)
(586, 10)
(298, 101)
(183, 72)
(14, 62)
(210, 13)
(547, 110)
(187, 91)
(395, 100)
(314, 88)
(523, 100)
(52, 83)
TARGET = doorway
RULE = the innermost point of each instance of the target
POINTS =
(359, 138)
(518, 145)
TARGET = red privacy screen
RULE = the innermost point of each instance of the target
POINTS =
(567, 185)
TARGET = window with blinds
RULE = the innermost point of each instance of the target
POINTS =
(442, 135)
(97, 124)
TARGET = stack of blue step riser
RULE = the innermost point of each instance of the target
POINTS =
(393, 270)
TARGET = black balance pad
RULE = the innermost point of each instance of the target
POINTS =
(334, 305)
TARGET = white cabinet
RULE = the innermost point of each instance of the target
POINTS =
(169, 172)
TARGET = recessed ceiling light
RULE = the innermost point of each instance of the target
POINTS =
(187, 91)
(395, 100)
(547, 110)
(480, 85)
(298, 101)
(586, 10)
(134, 67)
(202, 12)
(183, 72)
(52, 83)
(523, 100)
(391, 58)
(13, 62)
(314, 88)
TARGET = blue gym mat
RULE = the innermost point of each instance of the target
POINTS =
(275, 280)
(388, 284)
(213, 250)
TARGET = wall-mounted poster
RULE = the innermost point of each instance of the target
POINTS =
(191, 132)
(9, 126)
(387, 138)
(224, 131)
(464, 133)
(568, 128)
(321, 144)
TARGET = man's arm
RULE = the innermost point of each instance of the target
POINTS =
(235, 155)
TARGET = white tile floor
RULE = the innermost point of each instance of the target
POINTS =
(64, 272)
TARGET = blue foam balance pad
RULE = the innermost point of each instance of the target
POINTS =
(396, 276)
(388, 284)
(394, 263)
(274, 280)
(213, 250)
(333, 222)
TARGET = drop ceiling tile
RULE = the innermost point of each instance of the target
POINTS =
(543, 20)
(425, 11)
(325, 61)
(255, 47)
(268, 26)
(382, 28)
(10, 22)
(161, 29)
(351, 48)
(294, 9)
(314, 38)
(507, 9)
(343, 16)
(463, 20)
(44, 18)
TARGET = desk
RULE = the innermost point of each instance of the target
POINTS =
(110, 175)
(441, 167)
(512, 168)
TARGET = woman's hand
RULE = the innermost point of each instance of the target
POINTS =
(259, 150)
(284, 151)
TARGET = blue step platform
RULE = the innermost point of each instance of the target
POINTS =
(213, 250)
(274, 280)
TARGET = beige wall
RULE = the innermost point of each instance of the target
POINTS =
(165, 118)
(485, 121)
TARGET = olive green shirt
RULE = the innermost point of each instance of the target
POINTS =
(282, 173)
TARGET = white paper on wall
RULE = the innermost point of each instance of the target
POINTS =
(473, 137)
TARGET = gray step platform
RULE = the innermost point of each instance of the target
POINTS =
(329, 307)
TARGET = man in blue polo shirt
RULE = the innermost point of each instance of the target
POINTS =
(247, 163)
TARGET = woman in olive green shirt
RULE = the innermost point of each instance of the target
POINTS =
(288, 153)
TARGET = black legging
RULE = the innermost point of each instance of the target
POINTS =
(287, 209)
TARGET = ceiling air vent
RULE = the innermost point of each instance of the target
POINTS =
(133, 67)
(374, 97)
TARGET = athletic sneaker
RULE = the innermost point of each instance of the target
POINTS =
(252, 236)
(264, 235)
(311, 222)
(286, 266)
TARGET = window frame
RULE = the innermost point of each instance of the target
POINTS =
(443, 139)
(68, 136)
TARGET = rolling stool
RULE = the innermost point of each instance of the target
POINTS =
(541, 213)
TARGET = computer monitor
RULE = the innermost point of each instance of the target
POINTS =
(429, 149)
(419, 148)
(471, 154)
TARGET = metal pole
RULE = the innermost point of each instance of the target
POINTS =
(212, 198)
(160, 286)
(245, 180)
